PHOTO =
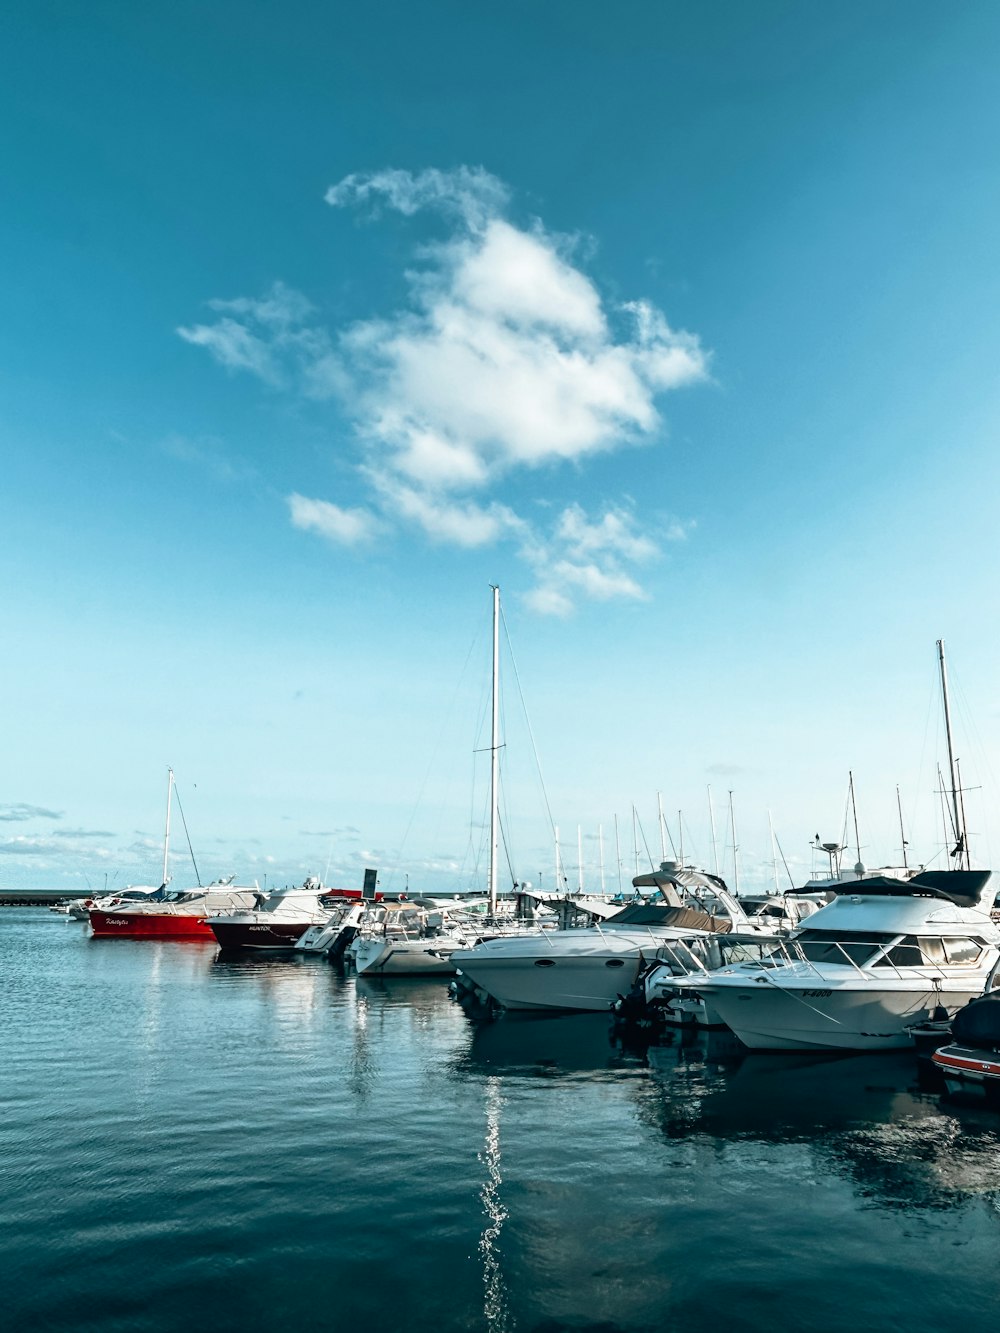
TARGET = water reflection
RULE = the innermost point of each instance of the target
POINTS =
(864, 1116)
(544, 1046)
(495, 1301)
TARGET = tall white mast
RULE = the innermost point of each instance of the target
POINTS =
(618, 855)
(902, 830)
(579, 858)
(736, 863)
(663, 840)
(959, 824)
(680, 836)
(600, 843)
(774, 854)
(495, 758)
(715, 843)
(166, 831)
(854, 809)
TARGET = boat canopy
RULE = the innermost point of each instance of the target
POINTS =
(671, 875)
(660, 914)
(964, 888)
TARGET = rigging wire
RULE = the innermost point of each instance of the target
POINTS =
(186, 834)
(432, 760)
(527, 720)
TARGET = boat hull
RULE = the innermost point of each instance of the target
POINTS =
(148, 926)
(827, 1017)
(257, 934)
(968, 1072)
(388, 958)
(582, 984)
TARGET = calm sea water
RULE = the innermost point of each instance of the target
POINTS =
(193, 1143)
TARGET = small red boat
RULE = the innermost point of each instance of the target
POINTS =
(969, 1072)
(970, 1063)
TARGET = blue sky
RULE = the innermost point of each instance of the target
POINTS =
(678, 322)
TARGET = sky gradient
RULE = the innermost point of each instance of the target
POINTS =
(680, 323)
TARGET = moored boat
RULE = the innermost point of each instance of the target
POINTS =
(179, 915)
(272, 921)
(970, 1061)
(881, 957)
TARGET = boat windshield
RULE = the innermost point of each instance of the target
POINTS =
(831, 946)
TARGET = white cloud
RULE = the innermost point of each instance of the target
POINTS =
(504, 358)
(270, 337)
(470, 192)
(460, 524)
(347, 527)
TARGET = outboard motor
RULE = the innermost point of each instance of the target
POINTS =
(978, 1024)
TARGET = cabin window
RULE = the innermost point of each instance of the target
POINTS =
(826, 946)
(962, 953)
(905, 954)
(933, 951)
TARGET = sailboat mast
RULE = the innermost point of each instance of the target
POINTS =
(659, 814)
(962, 848)
(854, 810)
(736, 862)
(680, 836)
(579, 858)
(774, 854)
(902, 830)
(715, 843)
(166, 831)
(618, 855)
(494, 758)
(600, 843)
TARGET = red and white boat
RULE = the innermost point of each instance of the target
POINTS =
(970, 1064)
(163, 914)
(969, 1072)
(179, 915)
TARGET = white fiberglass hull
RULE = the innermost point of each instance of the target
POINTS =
(380, 957)
(581, 974)
(784, 1015)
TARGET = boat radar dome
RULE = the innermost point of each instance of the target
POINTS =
(859, 870)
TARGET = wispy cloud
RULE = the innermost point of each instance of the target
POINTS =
(505, 358)
(345, 527)
(16, 814)
(209, 455)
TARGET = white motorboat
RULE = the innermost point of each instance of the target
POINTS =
(333, 935)
(884, 955)
(274, 921)
(407, 939)
(587, 969)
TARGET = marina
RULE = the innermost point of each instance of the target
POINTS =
(192, 1131)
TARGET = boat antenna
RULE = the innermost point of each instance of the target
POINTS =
(961, 851)
(166, 831)
(494, 757)
(902, 831)
(711, 820)
(854, 808)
